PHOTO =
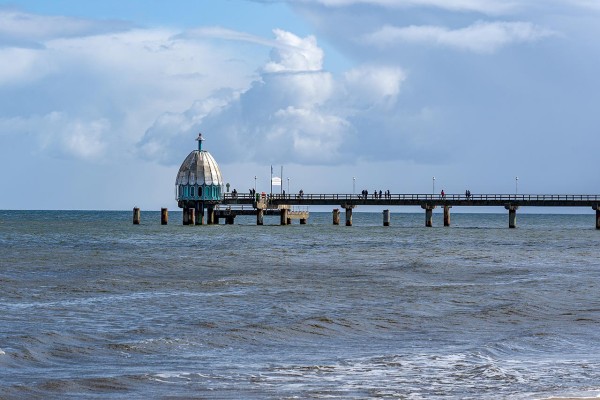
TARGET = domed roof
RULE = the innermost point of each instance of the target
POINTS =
(199, 168)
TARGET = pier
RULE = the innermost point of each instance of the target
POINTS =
(427, 202)
(199, 187)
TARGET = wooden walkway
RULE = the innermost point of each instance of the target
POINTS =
(503, 200)
(428, 202)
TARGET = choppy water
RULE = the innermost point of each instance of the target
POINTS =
(94, 307)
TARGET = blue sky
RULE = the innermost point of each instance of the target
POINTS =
(101, 101)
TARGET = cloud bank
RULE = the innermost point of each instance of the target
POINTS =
(481, 37)
(295, 111)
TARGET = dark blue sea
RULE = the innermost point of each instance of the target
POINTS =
(94, 307)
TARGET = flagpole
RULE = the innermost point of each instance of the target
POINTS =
(271, 181)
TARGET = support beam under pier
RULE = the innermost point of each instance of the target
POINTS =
(199, 214)
(597, 208)
(336, 216)
(210, 216)
(164, 216)
(259, 216)
(428, 214)
(447, 215)
(386, 217)
(283, 216)
(512, 215)
(348, 208)
(191, 216)
(136, 216)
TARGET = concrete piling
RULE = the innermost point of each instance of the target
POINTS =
(191, 216)
(259, 216)
(186, 216)
(229, 220)
(210, 216)
(512, 215)
(289, 221)
(164, 216)
(303, 221)
(136, 216)
(283, 216)
(386, 217)
(348, 216)
(199, 214)
(597, 208)
(447, 215)
(428, 215)
(336, 216)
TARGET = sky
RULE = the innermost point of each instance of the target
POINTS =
(100, 102)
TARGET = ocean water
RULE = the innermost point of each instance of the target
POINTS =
(92, 307)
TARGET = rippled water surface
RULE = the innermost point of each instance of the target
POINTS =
(94, 307)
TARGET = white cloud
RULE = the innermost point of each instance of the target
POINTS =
(118, 79)
(61, 135)
(482, 6)
(294, 112)
(481, 37)
(371, 85)
(295, 54)
(15, 25)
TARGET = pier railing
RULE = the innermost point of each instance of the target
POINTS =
(403, 198)
(422, 200)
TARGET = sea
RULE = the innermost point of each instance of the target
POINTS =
(94, 307)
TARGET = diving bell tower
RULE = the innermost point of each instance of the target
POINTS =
(199, 185)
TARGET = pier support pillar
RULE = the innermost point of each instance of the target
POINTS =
(386, 217)
(597, 208)
(428, 214)
(199, 214)
(283, 220)
(210, 216)
(348, 215)
(289, 221)
(164, 216)
(512, 215)
(136, 216)
(229, 220)
(336, 216)
(447, 215)
(191, 216)
(259, 216)
(303, 221)
(186, 216)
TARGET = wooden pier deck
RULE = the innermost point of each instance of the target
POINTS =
(428, 202)
(503, 200)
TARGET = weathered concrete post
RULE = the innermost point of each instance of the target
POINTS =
(136, 216)
(428, 215)
(447, 215)
(289, 221)
(348, 215)
(164, 216)
(186, 216)
(386, 217)
(283, 216)
(303, 221)
(336, 216)
(259, 216)
(597, 208)
(512, 215)
(210, 216)
(199, 215)
(229, 220)
(191, 216)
